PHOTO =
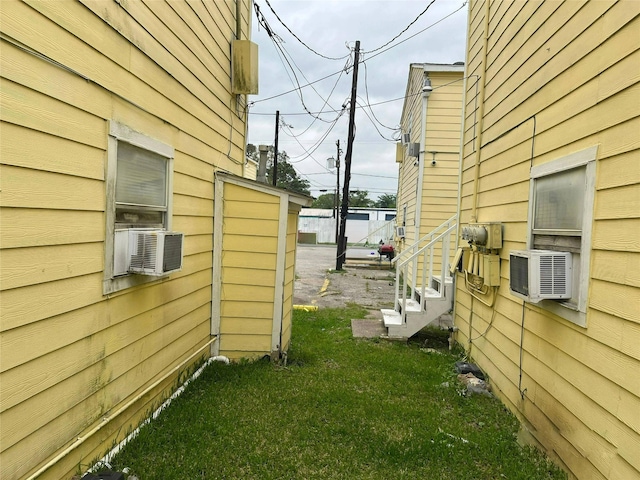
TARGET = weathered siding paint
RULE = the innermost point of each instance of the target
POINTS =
(559, 77)
(256, 243)
(439, 189)
(70, 356)
(289, 279)
(249, 255)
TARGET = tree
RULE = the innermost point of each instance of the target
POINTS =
(359, 198)
(288, 178)
(326, 200)
(386, 200)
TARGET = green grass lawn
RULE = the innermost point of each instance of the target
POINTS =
(341, 408)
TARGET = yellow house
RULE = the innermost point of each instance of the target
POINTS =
(118, 119)
(548, 292)
(429, 151)
(427, 200)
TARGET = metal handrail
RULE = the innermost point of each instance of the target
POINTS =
(446, 223)
(402, 268)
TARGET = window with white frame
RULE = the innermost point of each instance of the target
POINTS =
(560, 218)
(139, 190)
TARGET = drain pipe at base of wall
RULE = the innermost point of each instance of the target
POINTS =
(106, 460)
(107, 418)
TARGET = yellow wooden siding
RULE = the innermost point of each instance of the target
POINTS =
(249, 263)
(250, 170)
(580, 76)
(440, 182)
(409, 169)
(289, 279)
(107, 64)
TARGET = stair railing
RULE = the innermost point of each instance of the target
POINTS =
(411, 249)
(403, 261)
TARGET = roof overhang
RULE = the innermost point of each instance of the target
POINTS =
(293, 197)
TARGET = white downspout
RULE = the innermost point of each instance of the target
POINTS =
(426, 91)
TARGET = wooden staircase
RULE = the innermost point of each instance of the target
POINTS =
(422, 300)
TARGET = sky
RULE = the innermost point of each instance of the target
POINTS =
(330, 28)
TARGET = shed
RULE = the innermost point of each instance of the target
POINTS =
(254, 258)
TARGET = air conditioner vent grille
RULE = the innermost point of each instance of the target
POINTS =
(553, 273)
(144, 252)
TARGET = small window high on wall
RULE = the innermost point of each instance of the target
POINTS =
(560, 218)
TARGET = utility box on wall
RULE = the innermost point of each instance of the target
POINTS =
(399, 152)
(244, 67)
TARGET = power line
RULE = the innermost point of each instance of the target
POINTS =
(421, 31)
(298, 38)
(316, 145)
(372, 56)
(366, 90)
(321, 110)
(406, 28)
(283, 56)
(376, 103)
(375, 126)
(361, 174)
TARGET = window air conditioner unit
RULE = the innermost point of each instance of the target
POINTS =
(406, 138)
(400, 232)
(536, 275)
(155, 252)
(413, 150)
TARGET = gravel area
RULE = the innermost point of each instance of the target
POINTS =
(363, 281)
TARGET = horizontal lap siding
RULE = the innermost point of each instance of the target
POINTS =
(250, 236)
(408, 172)
(575, 65)
(289, 280)
(440, 183)
(68, 355)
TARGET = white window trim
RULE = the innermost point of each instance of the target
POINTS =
(587, 158)
(120, 132)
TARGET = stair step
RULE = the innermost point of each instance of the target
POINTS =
(412, 305)
(430, 293)
(391, 317)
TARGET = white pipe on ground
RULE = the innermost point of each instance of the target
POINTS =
(114, 451)
(108, 417)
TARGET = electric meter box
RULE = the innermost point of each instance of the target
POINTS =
(488, 235)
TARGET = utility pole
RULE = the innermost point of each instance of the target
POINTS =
(342, 241)
(337, 199)
(275, 150)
